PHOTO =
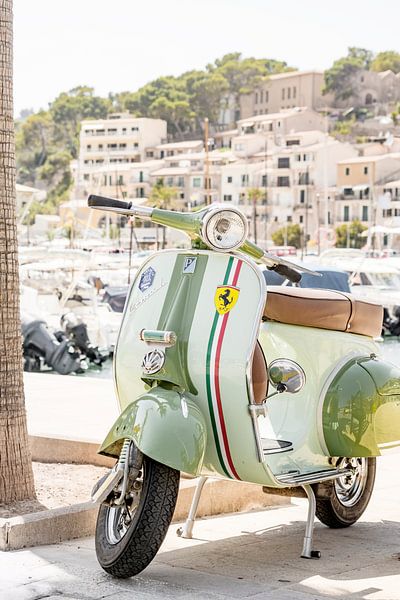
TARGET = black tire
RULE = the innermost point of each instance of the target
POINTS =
(335, 508)
(144, 535)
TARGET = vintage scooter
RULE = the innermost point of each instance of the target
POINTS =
(216, 376)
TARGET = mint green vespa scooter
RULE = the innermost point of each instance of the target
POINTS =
(216, 376)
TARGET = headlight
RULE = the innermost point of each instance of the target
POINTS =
(224, 229)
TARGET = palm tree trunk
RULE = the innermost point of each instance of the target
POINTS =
(16, 477)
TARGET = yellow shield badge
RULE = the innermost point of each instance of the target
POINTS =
(225, 298)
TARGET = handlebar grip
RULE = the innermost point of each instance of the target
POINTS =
(291, 274)
(103, 202)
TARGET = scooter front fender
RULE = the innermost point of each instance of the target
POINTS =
(166, 426)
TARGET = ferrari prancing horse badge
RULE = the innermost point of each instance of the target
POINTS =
(225, 298)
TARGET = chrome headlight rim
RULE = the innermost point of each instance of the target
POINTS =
(210, 214)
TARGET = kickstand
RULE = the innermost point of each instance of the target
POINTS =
(307, 551)
(187, 530)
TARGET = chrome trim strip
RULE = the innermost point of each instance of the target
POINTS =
(316, 477)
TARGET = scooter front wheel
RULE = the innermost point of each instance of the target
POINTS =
(340, 503)
(129, 536)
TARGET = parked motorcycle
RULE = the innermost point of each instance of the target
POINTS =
(42, 348)
(216, 376)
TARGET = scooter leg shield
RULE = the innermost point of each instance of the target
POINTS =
(165, 425)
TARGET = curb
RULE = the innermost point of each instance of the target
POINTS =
(79, 520)
(61, 450)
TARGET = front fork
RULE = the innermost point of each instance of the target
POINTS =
(113, 489)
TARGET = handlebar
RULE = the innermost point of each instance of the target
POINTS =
(287, 272)
(192, 224)
(103, 202)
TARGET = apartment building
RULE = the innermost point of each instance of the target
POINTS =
(295, 177)
(283, 91)
(186, 173)
(255, 132)
(175, 149)
(121, 139)
(367, 188)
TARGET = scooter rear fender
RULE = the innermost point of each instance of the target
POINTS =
(165, 425)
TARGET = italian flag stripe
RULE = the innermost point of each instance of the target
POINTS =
(213, 378)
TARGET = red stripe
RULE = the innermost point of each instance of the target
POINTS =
(216, 379)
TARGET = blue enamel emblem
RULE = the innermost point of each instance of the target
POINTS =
(146, 279)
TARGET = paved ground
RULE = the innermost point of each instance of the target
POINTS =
(81, 408)
(252, 555)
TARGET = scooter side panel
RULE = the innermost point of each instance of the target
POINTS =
(361, 412)
(147, 420)
(297, 418)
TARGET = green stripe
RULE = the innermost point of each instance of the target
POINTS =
(208, 379)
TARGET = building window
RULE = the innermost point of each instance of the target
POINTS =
(266, 96)
(283, 93)
(196, 182)
(289, 93)
(170, 181)
(229, 179)
(227, 198)
(294, 92)
(135, 129)
(346, 213)
(245, 180)
(181, 182)
(365, 170)
(347, 171)
(261, 96)
(264, 181)
(88, 147)
(304, 178)
(136, 145)
(302, 196)
(141, 176)
(284, 162)
(86, 177)
(283, 182)
(120, 180)
(364, 213)
(301, 219)
(256, 98)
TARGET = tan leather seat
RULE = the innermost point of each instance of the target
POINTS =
(325, 309)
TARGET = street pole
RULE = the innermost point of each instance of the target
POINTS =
(318, 235)
(265, 197)
(206, 164)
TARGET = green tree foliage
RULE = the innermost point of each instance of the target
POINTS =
(339, 79)
(47, 141)
(186, 100)
(348, 235)
(385, 61)
(291, 234)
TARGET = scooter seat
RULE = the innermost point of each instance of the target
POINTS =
(324, 309)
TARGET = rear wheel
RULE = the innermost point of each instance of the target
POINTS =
(341, 502)
(129, 536)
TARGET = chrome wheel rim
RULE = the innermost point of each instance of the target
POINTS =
(350, 488)
(119, 518)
